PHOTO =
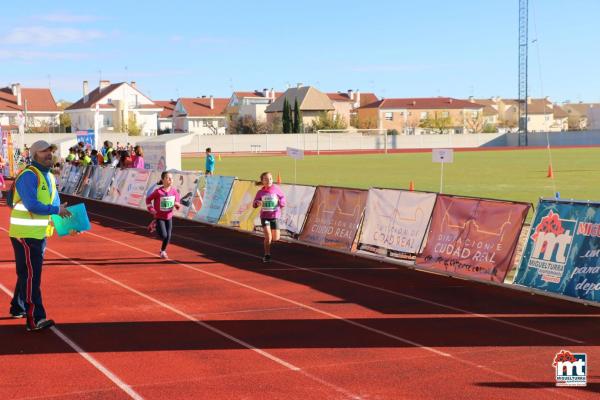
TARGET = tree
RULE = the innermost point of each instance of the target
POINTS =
(490, 128)
(297, 125)
(326, 120)
(287, 116)
(247, 125)
(64, 119)
(438, 122)
(132, 127)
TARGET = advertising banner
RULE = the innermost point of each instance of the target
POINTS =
(155, 155)
(562, 253)
(134, 188)
(101, 181)
(151, 186)
(117, 186)
(239, 212)
(298, 199)
(186, 183)
(473, 237)
(334, 217)
(395, 222)
(4, 152)
(72, 180)
(87, 137)
(215, 198)
(64, 176)
(85, 183)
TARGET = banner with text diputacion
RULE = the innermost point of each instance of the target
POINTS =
(334, 217)
(472, 237)
(396, 222)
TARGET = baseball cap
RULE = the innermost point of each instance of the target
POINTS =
(40, 145)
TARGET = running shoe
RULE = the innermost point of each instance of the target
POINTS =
(41, 324)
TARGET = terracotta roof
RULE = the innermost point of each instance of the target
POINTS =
(94, 96)
(580, 109)
(560, 112)
(168, 107)
(339, 96)
(256, 94)
(367, 98)
(309, 99)
(200, 107)
(426, 103)
(39, 100)
(151, 106)
(8, 102)
(539, 106)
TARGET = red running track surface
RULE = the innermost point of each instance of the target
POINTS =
(214, 322)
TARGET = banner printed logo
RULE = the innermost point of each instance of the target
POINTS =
(552, 239)
(571, 368)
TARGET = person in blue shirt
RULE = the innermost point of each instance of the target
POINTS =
(36, 198)
(210, 162)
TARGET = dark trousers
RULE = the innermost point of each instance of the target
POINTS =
(29, 257)
(164, 227)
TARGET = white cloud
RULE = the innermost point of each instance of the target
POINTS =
(24, 55)
(40, 35)
(176, 38)
(67, 18)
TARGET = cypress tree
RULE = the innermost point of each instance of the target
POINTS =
(287, 116)
(297, 118)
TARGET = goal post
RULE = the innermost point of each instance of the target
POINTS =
(352, 139)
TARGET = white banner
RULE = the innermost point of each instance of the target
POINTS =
(118, 184)
(442, 156)
(298, 199)
(186, 183)
(396, 220)
(134, 188)
(297, 154)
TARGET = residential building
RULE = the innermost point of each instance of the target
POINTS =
(345, 104)
(416, 116)
(561, 117)
(165, 117)
(251, 104)
(35, 108)
(203, 115)
(118, 105)
(583, 116)
(311, 101)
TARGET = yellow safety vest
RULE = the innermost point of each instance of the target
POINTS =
(109, 150)
(25, 224)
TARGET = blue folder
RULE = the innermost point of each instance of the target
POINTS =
(78, 221)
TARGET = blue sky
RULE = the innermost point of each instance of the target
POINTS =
(393, 48)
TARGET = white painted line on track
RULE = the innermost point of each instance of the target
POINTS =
(377, 288)
(97, 364)
(334, 316)
(211, 328)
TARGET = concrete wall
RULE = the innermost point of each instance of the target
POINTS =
(577, 138)
(333, 141)
(122, 138)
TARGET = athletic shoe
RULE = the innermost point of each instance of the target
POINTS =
(18, 315)
(267, 258)
(163, 254)
(41, 324)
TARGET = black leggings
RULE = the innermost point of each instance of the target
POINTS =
(164, 228)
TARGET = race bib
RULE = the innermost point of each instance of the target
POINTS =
(167, 203)
(269, 202)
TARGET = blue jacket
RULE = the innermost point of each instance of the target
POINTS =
(27, 187)
(210, 162)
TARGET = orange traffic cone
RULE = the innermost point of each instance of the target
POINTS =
(550, 172)
(278, 179)
(411, 186)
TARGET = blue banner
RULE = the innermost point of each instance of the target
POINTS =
(215, 198)
(87, 137)
(562, 254)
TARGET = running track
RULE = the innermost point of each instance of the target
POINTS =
(216, 323)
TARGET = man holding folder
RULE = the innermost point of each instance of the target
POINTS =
(35, 199)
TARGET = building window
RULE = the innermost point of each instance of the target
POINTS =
(475, 114)
(389, 116)
(445, 114)
(547, 118)
(109, 101)
(424, 114)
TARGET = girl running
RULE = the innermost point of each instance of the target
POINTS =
(161, 203)
(270, 199)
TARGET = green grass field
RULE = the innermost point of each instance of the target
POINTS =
(512, 175)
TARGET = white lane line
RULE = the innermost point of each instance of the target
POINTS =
(377, 288)
(211, 328)
(97, 364)
(334, 316)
